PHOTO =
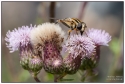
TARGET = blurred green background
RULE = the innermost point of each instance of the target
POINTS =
(101, 15)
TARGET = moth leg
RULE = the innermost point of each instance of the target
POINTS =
(57, 21)
(86, 34)
(69, 33)
(76, 30)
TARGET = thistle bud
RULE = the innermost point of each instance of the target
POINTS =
(35, 64)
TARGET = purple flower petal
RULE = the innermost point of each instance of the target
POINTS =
(18, 37)
(99, 37)
(78, 44)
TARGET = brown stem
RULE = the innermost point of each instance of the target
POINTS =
(34, 75)
(98, 53)
(36, 79)
(52, 11)
(82, 10)
(55, 78)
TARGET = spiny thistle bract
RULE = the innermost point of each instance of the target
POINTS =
(35, 64)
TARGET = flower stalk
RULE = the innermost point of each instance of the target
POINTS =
(34, 75)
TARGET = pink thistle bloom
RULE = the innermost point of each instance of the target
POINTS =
(79, 45)
(18, 38)
(99, 37)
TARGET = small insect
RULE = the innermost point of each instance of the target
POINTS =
(73, 24)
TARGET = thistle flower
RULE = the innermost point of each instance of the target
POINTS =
(47, 39)
(18, 38)
(78, 47)
(78, 44)
(99, 37)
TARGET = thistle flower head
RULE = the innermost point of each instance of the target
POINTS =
(47, 32)
(78, 44)
(47, 38)
(18, 38)
(99, 37)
